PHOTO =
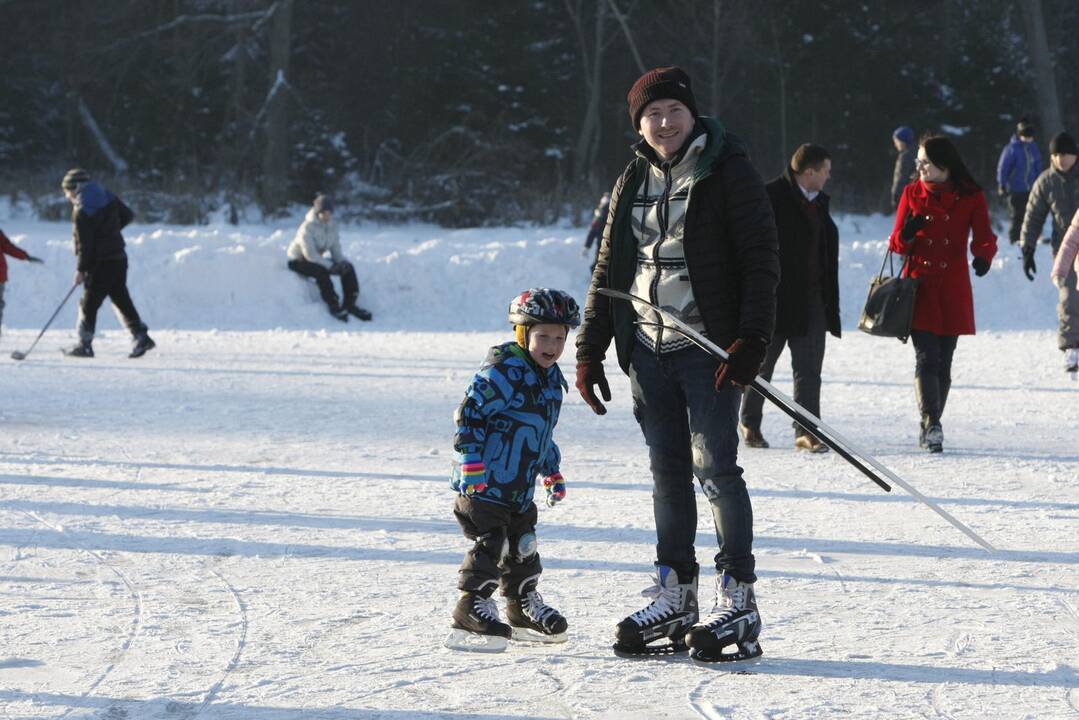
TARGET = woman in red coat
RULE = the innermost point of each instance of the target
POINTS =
(937, 214)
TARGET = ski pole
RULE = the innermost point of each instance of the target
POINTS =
(16, 355)
(827, 434)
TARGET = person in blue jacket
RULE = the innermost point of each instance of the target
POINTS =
(504, 441)
(1019, 166)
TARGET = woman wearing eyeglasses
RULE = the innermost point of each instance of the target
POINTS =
(936, 215)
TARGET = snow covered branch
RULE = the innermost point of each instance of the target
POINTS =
(91, 124)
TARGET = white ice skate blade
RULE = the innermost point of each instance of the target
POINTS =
(529, 635)
(474, 642)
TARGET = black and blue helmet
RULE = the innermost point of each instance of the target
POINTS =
(538, 306)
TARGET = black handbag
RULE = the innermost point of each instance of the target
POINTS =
(889, 309)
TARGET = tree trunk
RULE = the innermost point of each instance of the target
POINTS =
(1044, 79)
(717, 11)
(588, 138)
(781, 70)
(275, 160)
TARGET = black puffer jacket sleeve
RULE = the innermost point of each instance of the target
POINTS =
(597, 328)
(751, 226)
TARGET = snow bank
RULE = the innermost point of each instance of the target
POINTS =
(412, 277)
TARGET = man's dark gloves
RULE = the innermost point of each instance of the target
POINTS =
(31, 258)
(980, 265)
(1028, 263)
(912, 225)
(590, 374)
(744, 358)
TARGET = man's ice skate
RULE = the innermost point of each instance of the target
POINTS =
(670, 614)
(729, 632)
(534, 620)
(476, 625)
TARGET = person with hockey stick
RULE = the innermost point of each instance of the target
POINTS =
(936, 216)
(691, 230)
(9, 248)
(99, 217)
(317, 236)
(504, 442)
(1056, 191)
(807, 307)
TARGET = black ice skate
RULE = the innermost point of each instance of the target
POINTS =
(476, 625)
(534, 620)
(670, 614)
(733, 623)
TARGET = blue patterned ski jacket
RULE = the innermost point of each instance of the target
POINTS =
(506, 421)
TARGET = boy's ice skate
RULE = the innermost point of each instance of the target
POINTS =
(733, 623)
(534, 620)
(476, 625)
(670, 614)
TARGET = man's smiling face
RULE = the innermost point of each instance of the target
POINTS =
(665, 125)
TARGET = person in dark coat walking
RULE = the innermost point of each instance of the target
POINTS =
(1056, 191)
(98, 217)
(1018, 168)
(595, 230)
(936, 217)
(9, 248)
(807, 306)
(903, 173)
(690, 229)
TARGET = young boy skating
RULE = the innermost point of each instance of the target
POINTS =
(504, 441)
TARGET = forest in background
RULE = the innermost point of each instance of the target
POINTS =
(477, 113)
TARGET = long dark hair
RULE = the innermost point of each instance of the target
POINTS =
(943, 153)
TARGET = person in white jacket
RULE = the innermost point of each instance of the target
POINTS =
(317, 236)
(1065, 272)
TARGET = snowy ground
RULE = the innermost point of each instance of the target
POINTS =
(256, 523)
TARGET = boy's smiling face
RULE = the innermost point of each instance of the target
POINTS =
(546, 343)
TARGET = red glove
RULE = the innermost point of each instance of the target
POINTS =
(744, 358)
(590, 373)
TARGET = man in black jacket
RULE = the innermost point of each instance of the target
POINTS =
(807, 306)
(690, 229)
(98, 217)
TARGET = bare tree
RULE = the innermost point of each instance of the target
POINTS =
(1044, 80)
(275, 159)
(586, 148)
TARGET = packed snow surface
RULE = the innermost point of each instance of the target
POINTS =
(253, 521)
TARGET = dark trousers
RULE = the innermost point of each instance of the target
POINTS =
(692, 430)
(932, 373)
(1017, 208)
(807, 359)
(505, 553)
(107, 280)
(350, 287)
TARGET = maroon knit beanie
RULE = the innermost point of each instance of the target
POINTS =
(658, 84)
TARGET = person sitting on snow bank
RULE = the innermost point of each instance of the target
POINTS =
(9, 248)
(318, 235)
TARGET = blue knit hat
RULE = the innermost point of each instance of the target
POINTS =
(904, 133)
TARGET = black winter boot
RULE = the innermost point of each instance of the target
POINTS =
(143, 344)
(82, 350)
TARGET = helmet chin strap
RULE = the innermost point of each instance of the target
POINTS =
(521, 331)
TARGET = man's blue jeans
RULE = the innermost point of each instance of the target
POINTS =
(692, 430)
